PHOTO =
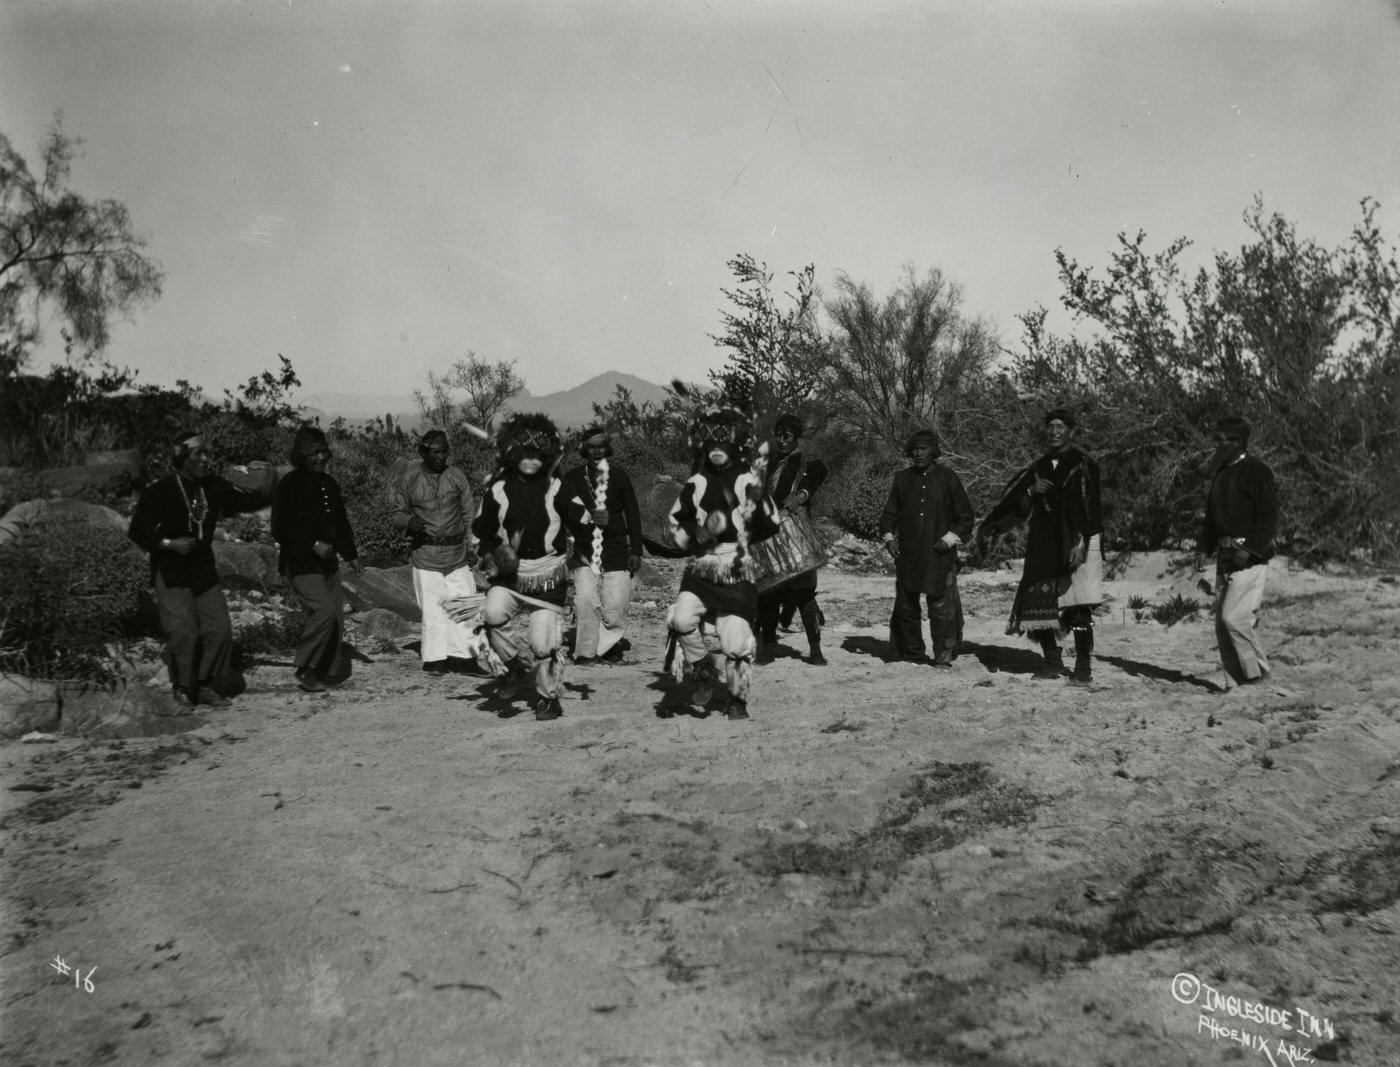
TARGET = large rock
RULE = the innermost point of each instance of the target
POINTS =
(390, 588)
(130, 459)
(258, 476)
(26, 704)
(71, 481)
(251, 561)
(20, 517)
(383, 624)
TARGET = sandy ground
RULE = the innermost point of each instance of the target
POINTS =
(887, 864)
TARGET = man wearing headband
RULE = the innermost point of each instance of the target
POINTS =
(311, 527)
(174, 522)
(605, 522)
(1241, 519)
(433, 504)
(722, 510)
(792, 481)
(1062, 579)
(521, 532)
(927, 516)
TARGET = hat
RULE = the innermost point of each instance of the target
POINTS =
(308, 441)
(923, 437)
(596, 430)
(721, 426)
(788, 421)
(1063, 414)
(1235, 427)
(529, 430)
(185, 446)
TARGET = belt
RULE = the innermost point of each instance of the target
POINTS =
(441, 542)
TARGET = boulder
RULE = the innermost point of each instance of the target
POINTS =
(128, 710)
(130, 459)
(26, 704)
(258, 476)
(252, 562)
(384, 625)
(20, 517)
(388, 587)
(71, 481)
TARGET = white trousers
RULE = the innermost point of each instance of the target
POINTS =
(600, 609)
(443, 636)
(727, 641)
(1237, 603)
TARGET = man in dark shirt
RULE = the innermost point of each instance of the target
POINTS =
(313, 531)
(174, 522)
(1240, 522)
(793, 480)
(927, 516)
(605, 521)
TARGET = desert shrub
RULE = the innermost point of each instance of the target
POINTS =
(1177, 609)
(362, 465)
(856, 492)
(68, 589)
(273, 634)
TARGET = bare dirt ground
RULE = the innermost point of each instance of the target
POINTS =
(885, 865)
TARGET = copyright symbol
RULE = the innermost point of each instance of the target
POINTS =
(1186, 987)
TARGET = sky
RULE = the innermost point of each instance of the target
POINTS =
(376, 188)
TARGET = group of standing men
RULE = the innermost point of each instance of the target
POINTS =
(537, 532)
(929, 514)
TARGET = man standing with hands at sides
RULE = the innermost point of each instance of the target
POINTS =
(1062, 580)
(605, 521)
(1240, 522)
(927, 516)
(310, 525)
(174, 522)
(433, 504)
(792, 481)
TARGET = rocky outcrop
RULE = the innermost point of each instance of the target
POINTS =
(19, 518)
(27, 704)
(253, 563)
(390, 587)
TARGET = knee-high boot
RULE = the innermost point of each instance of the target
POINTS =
(1083, 653)
(1049, 642)
(812, 622)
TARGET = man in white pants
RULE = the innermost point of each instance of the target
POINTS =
(605, 521)
(433, 503)
(1240, 523)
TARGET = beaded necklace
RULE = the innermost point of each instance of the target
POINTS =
(197, 510)
(600, 500)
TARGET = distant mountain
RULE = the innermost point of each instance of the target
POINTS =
(569, 408)
(574, 407)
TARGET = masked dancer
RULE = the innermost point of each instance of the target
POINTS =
(520, 528)
(722, 511)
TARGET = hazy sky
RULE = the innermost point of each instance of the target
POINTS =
(373, 188)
